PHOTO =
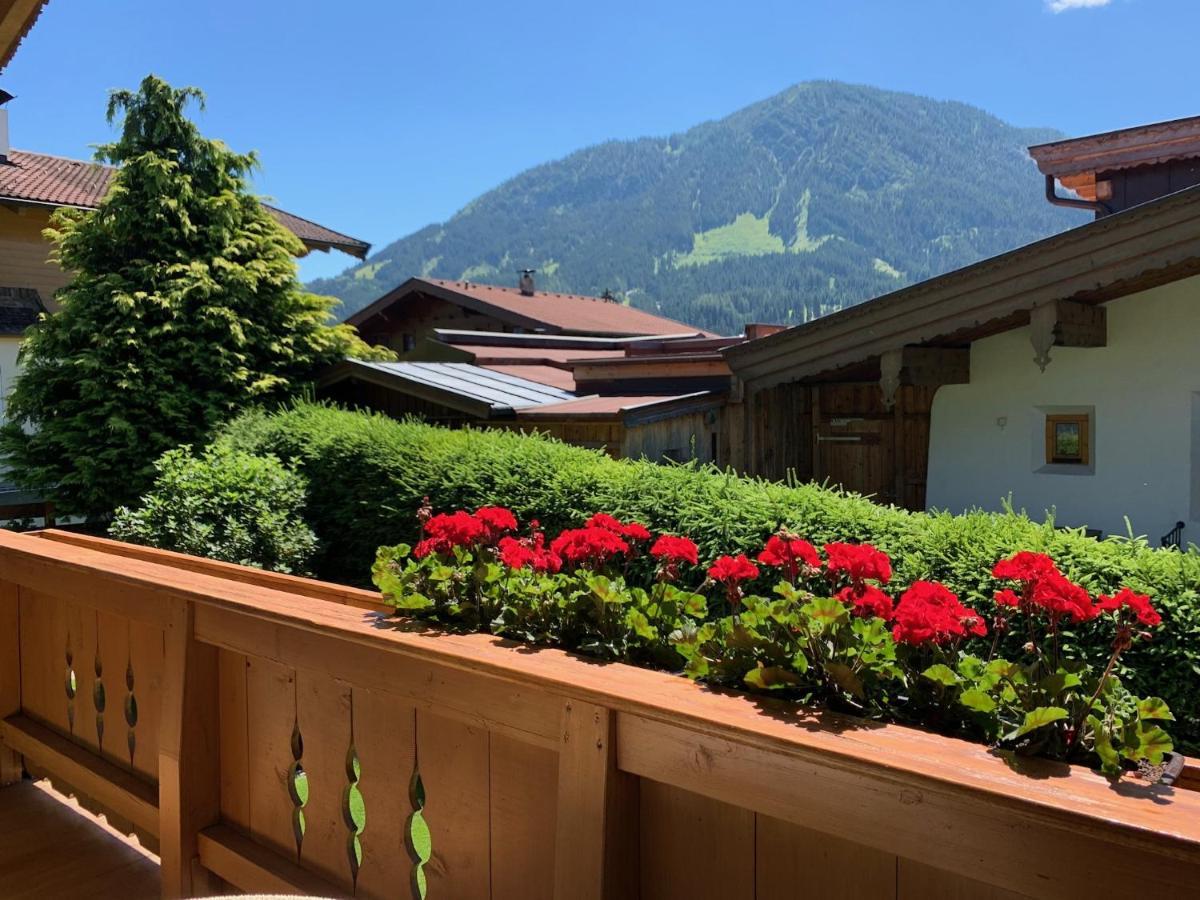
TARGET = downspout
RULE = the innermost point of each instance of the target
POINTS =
(1053, 196)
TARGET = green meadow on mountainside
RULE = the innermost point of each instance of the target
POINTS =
(814, 199)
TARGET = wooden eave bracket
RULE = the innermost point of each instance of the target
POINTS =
(922, 366)
(1066, 323)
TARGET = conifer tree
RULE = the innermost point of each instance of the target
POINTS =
(182, 309)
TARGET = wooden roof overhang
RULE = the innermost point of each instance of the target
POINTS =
(16, 18)
(1077, 161)
(1130, 251)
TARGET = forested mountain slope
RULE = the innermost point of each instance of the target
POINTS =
(817, 198)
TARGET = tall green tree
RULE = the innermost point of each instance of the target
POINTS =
(183, 308)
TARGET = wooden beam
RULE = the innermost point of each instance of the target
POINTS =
(596, 839)
(189, 756)
(110, 786)
(292, 584)
(10, 675)
(924, 366)
(257, 869)
(1065, 323)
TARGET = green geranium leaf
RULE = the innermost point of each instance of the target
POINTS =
(970, 667)
(1039, 718)
(1154, 708)
(1110, 760)
(769, 678)
(694, 605)
(637, 622)
(975, 699)
(1152, 743)
(845, 678)
(826, 611)
(800, 662)
(412, 601)
(1058, 682)
(942, 674)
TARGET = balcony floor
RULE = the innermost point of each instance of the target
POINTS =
(50, 847)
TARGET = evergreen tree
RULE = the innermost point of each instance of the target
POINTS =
(183, 308)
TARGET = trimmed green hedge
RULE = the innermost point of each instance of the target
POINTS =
(368, 473)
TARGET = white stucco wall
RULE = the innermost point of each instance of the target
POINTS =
(987, 438)
(8, 368)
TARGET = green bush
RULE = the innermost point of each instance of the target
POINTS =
(225, 505)
(368, 473)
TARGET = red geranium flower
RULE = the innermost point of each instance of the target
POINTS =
(529, 553)
(929, 613)
(670, 548)
(1138, 604)
(591, 547)
(859, 562)
(1006, 598)
(788, 553)
(867, 601)
(449, 530)
(497, 520)
(1025, 566)
(1060, 597)
(634, 531)
(730, 570)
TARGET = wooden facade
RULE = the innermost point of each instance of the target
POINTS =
(841, 434)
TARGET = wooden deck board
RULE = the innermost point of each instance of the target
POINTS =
(51, 847)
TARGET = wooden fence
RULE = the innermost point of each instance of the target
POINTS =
(245, 721)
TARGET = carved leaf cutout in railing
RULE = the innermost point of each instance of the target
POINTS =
(71, 683)
(420, 842)
(354, 812)
(131, 711)
(98, 698)
(298, 787)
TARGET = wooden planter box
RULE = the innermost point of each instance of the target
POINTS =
(544, 774)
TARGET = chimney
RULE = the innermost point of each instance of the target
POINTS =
(5, 96)
(526, 282)
(1118, 169)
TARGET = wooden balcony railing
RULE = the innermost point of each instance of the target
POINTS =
(245, 721)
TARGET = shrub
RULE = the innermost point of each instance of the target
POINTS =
(368, 475)
(819, 631)
(225, 505)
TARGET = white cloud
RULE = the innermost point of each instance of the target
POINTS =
(1058, 6)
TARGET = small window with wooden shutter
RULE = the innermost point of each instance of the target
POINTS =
(1067, 440)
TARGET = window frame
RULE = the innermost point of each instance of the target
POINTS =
(1083, 422)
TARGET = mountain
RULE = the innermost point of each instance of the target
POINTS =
(817, 198)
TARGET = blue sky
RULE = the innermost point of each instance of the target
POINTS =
(379, 117)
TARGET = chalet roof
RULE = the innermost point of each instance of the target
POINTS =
(1076, 161)
(1120, 254)
(40, 179)
(545, 311)
(1127, 147)
(16, 18)
(473, 389)
(576, 341)
(19, 308)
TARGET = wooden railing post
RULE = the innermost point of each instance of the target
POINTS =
(10, 675)
(189, 768)
(596, 836)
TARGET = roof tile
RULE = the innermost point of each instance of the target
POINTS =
(42, 179)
